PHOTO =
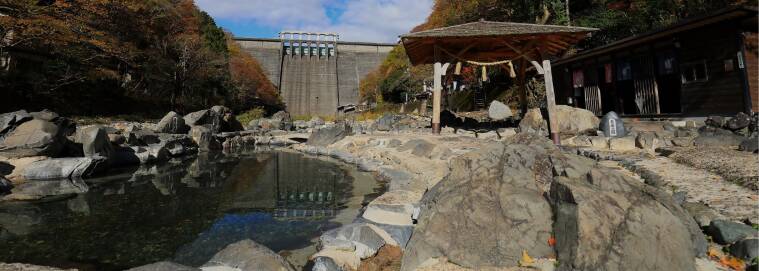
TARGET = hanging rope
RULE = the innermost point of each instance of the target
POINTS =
(508, 63)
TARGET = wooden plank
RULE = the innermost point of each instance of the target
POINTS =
(553, 123)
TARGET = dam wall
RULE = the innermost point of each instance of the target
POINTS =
(314, 78)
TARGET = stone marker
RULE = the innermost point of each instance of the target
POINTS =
(612, 125)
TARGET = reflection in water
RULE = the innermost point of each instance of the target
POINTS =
(183, 211)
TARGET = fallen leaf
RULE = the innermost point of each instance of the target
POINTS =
(732, 263)
(526, 259)
(713, 253)
(552, 241)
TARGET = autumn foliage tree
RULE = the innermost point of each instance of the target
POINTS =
(120, 56)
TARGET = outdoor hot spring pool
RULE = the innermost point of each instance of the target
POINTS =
(186, 211)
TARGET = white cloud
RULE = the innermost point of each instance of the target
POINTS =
(361, 20)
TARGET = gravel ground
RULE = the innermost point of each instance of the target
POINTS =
(736, 166)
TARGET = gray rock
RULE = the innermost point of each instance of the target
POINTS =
(64, 168)
(128, 156)
(365, 239)
(45, 115)
(617, 214)
(301, 124)
(247, 255)
(164, 266)
(204, 139)
(328, 135)
(39, 189)
(746, 249)
(172, 123)
(281, 121)
(740, 121)
(418, 147)
(325, 264)
(116, 139)
(724, 140)
(386, 122)
(5, 186)
(489, 209)
(715, 121)
(750, 144)
(727, 232)
(679, 197)
(702, 214)
(315, 121)
(685, 132)
(94, 141)
(626, 143)
(575, 120)
(533, 122)
(647, 141)
(197, 118)
(34, 138)
(8, 121)
(499, 111)
(682, 141)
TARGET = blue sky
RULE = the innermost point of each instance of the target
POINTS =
(354, 20)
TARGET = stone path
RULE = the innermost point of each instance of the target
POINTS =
(733, 201)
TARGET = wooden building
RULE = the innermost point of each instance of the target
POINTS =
(698, 67)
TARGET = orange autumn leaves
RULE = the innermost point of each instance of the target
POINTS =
(726, 260)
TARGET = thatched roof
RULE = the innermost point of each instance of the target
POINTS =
(491, 41)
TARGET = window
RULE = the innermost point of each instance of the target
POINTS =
(695, 72)
(666, 61)
(624, 71)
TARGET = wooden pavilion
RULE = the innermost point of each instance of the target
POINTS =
(493, 43)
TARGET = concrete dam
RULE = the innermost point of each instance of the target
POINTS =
(315, 72)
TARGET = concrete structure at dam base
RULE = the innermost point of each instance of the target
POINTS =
(315, 72)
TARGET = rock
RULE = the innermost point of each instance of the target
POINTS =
(740, 121)
(682, 142)
(94, 141)
(281, 121)
(196, 118)
(328, 135)
(366, 239)
(45, 115)
(715, 121)
(599, 142)
(64, 168)
(164, 266)
(325, 264)
(34, 190)
(575, 121)
(386, 122)
(506, 132)
(116, 139)
(127, 156)
(300, 124)
(533, 122)
(622, 143)
(418, 147)
(624, 219)
(489, 209)
(5, 186)
(222, 119)
(247, 255)
(34, 138)
(29, 267)
(175, 144)
(499, 111)
(18, 166)
(172, 123)
(746, 249)
(702, 214)
(725, 140)
(315, 121)
(684, 132)
(647, 141)
(203, 137)
(138, 137)
(8, 121)
(727, 232)
(750, 144)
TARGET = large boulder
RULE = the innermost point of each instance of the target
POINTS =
(727, 232)
(499, 111)
(606, 220)
(574, 120)
(718, 140)
(94, 141)
(40, 189)
(8, 121)
(164, 266)
(222, 119)
(750, 144)
(64, 168)
(247, 255)
(740, 121)
(203, 137)
(281, 121)
(172, 123)
(197, 117)
(386, 122)
(486, 212)
(34, 138)
(328, 135)
(533, 122)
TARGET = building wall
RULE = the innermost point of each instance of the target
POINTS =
(317, 85)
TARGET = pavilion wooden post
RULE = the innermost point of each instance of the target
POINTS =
(522, 87)
(437, 89)
(553, 123)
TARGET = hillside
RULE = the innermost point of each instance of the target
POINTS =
(105, 57)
